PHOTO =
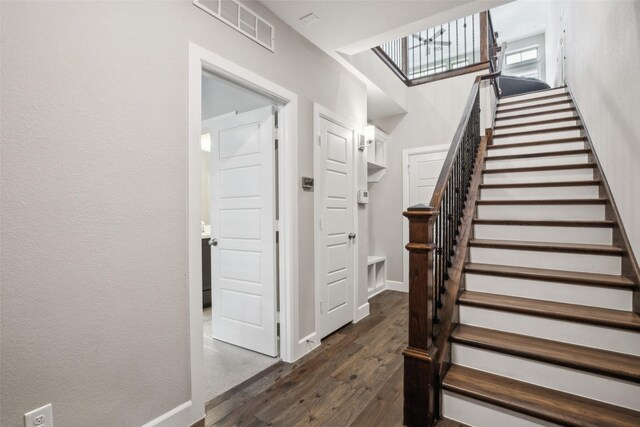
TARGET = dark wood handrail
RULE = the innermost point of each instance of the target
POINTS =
(435, 236)
(436, 198)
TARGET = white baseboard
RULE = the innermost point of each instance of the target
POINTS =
(363, 311)
(179, 416)
(392, 285)
(376, 291)
(305, 345)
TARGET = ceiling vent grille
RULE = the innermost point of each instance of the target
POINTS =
(234, 14)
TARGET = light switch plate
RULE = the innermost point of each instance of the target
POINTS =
(41, 417)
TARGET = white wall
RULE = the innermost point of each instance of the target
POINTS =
(602, 41)
(94, 197)
(435, 110)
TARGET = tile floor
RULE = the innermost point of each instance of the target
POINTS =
(226, 365)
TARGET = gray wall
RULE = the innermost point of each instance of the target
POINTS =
(94, 194)
(602, 41)
(434, 112)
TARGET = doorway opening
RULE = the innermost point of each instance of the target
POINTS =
(239, 230)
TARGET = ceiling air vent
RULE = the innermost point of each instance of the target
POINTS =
(234, 14)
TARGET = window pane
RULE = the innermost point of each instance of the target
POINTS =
(514, 58)
(530, 54)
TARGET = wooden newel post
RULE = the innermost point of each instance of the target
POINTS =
(420, 382)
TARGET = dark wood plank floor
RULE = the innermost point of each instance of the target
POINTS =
(353, 379)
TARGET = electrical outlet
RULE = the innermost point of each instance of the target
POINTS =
(41, 417)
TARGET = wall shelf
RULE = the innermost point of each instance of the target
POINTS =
(377, 156)
(376, 275)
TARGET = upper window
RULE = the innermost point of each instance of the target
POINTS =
(524, 55)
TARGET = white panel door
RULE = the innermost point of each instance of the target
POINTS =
(424, 170)
(243, 272)
(336, 226)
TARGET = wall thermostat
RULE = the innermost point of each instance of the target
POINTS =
(363, 197)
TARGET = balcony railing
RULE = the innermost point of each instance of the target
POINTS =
(458, 47)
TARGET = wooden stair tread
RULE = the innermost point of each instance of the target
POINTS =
(533, 91)
(538, 122)
(540, 402)
(542, 142)
(542, 184)
(542, 154)
(588, 165)
(529, 107)
(547, 222)
(594, 201)
(617, 365)
(539, 113)
(577, 248)
(538, 98)
(536, 131)
(548, 275)
(555, 310)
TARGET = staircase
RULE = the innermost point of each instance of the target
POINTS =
(545, 331)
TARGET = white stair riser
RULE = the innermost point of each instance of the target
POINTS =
(538, 161)
(509, 104)
(543, 212)
(531, 127)
(582, 174)
(605, 338)
(536, 193)
(533, 95)
(512, 111)
(480, 414)
(547, 136)
(544, 148)
(589, 385)
(547, 116)
(535, 233)
(593, 296)
(586, 263)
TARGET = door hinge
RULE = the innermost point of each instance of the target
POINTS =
(319, 139)
(320, 223)
(276, 225)
(276, 134)
(321, 307)
(278, 321)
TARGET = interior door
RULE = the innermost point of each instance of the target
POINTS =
(242, 231)
(424, 170)
(335, 225)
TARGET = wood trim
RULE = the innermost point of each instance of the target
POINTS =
(529, 107)
(541, 168)
(542, 154)
(598, 201)
(541, 184)
(484, 37)
(199, 423)
(535, 91)
(546, 223)
(540, 113)
(543, 142)
(539, 122)
(474, 68)
(630, 266)
(572, 248)
(523, 101)
(392, 65)
(553, 310)
(537, 131)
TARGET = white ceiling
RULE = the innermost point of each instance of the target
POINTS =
(351, 26)
(509, 22)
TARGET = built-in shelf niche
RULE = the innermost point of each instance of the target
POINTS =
(376, 275)
(377, 142)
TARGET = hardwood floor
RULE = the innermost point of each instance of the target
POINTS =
(353, 379)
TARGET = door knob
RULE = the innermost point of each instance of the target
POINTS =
(213, 242)
(352, 236)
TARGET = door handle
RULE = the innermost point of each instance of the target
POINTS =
(213, 242)
(352, 236)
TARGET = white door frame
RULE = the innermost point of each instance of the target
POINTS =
(406, 154)
(320, 112)
(290, 347)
